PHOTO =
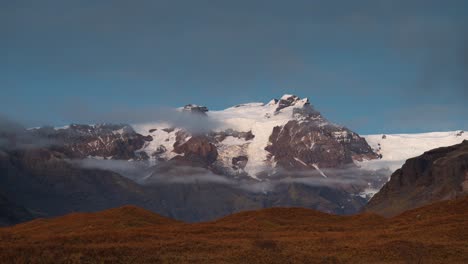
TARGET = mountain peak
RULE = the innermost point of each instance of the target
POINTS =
(291, 100)
(288, 96)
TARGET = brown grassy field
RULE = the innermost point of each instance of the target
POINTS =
(437, 233)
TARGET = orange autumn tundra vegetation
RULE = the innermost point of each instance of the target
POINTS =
(437, 233)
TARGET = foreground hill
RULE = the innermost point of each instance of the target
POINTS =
(439, 174)
(433, 234)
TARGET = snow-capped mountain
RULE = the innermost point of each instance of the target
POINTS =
(252, 140)
(256, 139)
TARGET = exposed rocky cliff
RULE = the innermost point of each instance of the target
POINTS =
(439, 174)
(306, 145)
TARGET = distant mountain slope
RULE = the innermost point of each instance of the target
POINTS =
(439, 174)
(47, 185)
(432, 234)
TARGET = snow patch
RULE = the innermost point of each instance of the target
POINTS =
(300, 161)
(319, 170)
(232, 141)
(160, 138)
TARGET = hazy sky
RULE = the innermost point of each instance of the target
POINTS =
(375, 66)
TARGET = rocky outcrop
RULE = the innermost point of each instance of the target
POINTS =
(287, 101)
(195, 150)
(222, 135)
(239, 162)
(310, 141)
(439, 174)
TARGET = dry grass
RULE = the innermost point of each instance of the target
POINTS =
(434, 234)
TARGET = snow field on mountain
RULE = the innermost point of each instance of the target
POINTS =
(260, 119)
(397, 148)
(160, 138)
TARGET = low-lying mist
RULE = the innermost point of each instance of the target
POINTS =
(149, 173)
(14, 135)
(134, 170)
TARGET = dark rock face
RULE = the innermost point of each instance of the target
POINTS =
(286, 102)
(301, 144)
(220, 136)
(168, 130)
(239, 162)
(439, 174)
(196, 151)
(309, 140)
(201, 150)
(102, 140)
(160, 150)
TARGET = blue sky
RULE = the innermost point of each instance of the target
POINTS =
(376, 66)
